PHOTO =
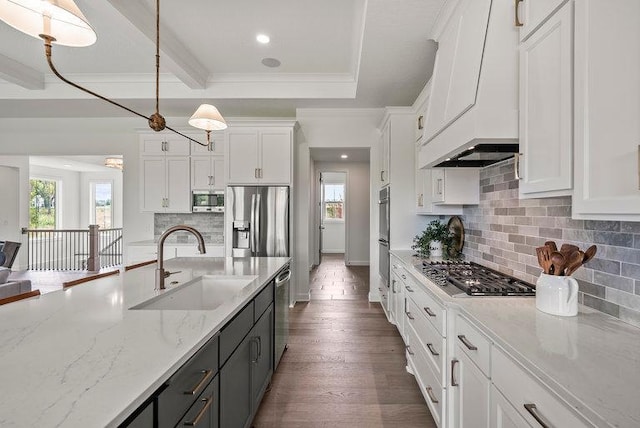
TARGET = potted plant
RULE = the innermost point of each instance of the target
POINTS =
(432, 240)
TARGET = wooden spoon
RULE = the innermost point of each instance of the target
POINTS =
(545, 256)
(567, 249)
(552, 245)
(589, 253)
(558, 261)
(574, 262)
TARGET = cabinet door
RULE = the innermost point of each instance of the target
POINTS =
(419, 195)
(152, 146)
(242, 157)
(144, 419)
(201, 175)
(546, 106)
(458, 61)
(533, 13)
(469, 394)
(262, 359)
(204, 412)
(503, 415)
(235, 387)
(275, 154)
(385, 148)
(152, 184)
(607, 108)
(218, 173)
(437, 183)
(178, 184)
(216, 147)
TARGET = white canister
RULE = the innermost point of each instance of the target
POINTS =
(557, 295)
(435, 249)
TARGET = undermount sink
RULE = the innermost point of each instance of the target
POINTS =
(203, 293)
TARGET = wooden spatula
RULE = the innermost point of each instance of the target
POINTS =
(552, 245)
(558, 261)
(575, 261)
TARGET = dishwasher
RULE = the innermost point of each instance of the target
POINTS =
(283, 284)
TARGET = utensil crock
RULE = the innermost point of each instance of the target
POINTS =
(557, 295)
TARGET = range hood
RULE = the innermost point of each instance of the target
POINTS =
(479, 156)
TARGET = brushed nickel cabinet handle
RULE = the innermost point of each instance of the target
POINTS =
(638, 166)
(411, 317)
(516, 166)
(470, 346)
(432, 397)
(454, 362)
(403, 276)
(207, 375)
(207, 403)
(518, 22)
(533, 411)
(429, 311)
(420, 122)
(393, 285)
(382, 176)
(432, 350)
(255, 173)
(409, 289)
(409, 351)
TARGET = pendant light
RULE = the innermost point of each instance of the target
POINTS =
(61, 22)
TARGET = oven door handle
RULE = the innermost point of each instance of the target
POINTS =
(383, 242)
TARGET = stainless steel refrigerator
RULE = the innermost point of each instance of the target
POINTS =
(259, 221)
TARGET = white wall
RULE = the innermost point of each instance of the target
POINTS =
(115, 176)
(9, 204)
(13, 228)
(329, 128)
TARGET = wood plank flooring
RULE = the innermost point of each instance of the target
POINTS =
(345, 366)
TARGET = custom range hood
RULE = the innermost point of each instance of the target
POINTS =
(480, 155)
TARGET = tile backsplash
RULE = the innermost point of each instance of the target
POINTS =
(503, 231)
(210, 225)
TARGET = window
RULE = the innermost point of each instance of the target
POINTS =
(42, 204)
(101, 204)
(333, 202)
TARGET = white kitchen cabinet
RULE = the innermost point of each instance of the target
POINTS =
(207, 173)
(424, 197)
(546, 108)
(502, 413)
(385, 154)
(531, 14)
(259, 156)
(607, 108)
(163, 145)
(469, 393)
(455, 186)
(215, 147)
(457, 68)
(165, 184)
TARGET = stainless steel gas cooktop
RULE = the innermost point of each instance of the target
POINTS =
(471, 279)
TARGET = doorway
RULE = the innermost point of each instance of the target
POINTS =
(332, 215)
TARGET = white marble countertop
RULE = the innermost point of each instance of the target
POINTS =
(152, 242)
(80, 357)
(591, 360)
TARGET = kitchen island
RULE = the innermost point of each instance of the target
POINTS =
(83, 357)
(584, 368)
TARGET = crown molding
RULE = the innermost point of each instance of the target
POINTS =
(340, 112)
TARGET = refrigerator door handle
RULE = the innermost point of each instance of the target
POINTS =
(257, 223)
(252, 231)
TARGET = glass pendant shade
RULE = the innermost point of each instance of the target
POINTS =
(208, 117)
(60, 19)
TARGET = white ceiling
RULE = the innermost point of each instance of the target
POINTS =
(334, 53)
(325, 154)
(73, 163)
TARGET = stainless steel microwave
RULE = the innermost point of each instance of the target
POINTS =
(205, 201)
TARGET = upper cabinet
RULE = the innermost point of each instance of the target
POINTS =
(546, 107)
(474, 94)
(259, 155)
(529, 15)
(163, 145)
(385, 154)
(215, 147)
(607, 108)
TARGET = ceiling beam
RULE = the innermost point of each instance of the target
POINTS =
(20, 74)
(174, 54)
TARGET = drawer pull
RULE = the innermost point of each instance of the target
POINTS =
(429, 311)
(201, 413)
(432, 350)
(207, 375)
(518, 23)
(454, 362)
(432, 397)
(470, 346)
(533, 411)
(411, 317)
(409, 289)
(409, 351)
(403, 276)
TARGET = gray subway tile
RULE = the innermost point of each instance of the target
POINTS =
(555, 201)
(630, 316)
(551, 233)
(621, 298)
(501, 211)
(517, 211)
(591, 289)
(620, 254)
(535, 241)
(630, 270)
(609, 226)
(559, 211)
(630, 227)
(613, 238)
(637, 290)
(602, 305)
(518, 239)
(536, 211)
(510, 228)
(636, 241)
(613, 281)
(602, 265)
(522, 220)
(487, 189)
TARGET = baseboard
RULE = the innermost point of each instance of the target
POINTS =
(374, 297)
(357, 263)
(302, 297)
(333, 251)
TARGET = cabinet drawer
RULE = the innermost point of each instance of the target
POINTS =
(427, 380)
(233, 333)
(187, 383)
(396, 266)
(529, 397)
(204, 411)
(432, 343)
(473, 343)
(434, 311)
(262, 301)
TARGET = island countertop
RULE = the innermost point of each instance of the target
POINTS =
(81, 357)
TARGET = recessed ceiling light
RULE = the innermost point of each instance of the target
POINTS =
(447, 159)
(263, 38)
(472, 147)
(271, 62)
(344, 156)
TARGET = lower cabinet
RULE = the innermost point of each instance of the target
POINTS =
(469, 397)
(204, 412)
(503, 414)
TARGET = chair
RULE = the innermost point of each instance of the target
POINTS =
(17, 297)
(10, 250)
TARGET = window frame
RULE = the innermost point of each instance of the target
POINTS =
(58, 198)
(92, 200)
(325, 201)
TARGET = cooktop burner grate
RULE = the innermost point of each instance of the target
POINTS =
(474, 279)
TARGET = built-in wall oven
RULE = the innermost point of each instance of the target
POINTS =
(383, 235)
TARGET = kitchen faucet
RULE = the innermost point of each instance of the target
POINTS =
(160, 272)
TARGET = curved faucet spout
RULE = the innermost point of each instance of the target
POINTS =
(160, 272)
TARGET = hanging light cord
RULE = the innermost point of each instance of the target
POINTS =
(156, 121)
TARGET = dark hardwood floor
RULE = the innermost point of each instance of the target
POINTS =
(345, 366)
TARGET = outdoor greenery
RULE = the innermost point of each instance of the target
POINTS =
(435, 231)
(42, 207)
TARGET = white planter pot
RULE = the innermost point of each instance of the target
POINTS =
(435, 249)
